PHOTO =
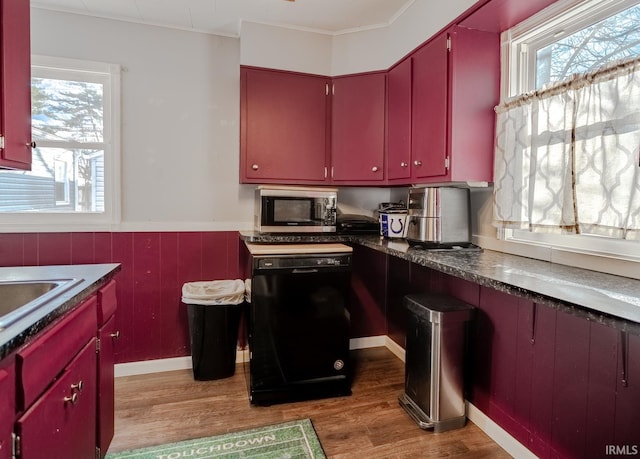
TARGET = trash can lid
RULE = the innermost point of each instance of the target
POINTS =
(213, 292)
(437, 307)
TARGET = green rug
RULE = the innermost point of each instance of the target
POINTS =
(296, 439)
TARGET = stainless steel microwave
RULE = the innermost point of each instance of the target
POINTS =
(295, 210)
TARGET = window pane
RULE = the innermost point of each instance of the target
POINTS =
(61, 180)
(66, 110)
(614, 38)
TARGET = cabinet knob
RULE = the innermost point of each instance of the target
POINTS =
(403, 164)
(417, 162)
(77, 387)
(374, 169)
(32, 144)
(73, 399)
(116, 335)
(254, 167)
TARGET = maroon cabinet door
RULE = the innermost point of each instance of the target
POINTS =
(429, 109)
(7, 409)
(474, 91)
(627, 420)
(107, 336)
(40, 361)
(456, 79)
(399, 122)
(61, 423)
(106, 393)
(358, 128)
(283, 127)
(15, 85)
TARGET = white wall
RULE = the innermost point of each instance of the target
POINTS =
(180, 103)
(285, 49)
(379, 49)
(180, 115)
(360, 51)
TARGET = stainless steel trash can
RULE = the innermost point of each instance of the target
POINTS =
(435, 361)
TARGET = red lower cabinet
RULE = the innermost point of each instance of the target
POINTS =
(62, 389)
(106, 395)
(107, 336)
(61, 423)
(7, 408)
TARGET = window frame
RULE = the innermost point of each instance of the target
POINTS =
(109, 75)
(518, 48)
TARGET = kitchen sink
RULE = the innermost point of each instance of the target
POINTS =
(20, 298)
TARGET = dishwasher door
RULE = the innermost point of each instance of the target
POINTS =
(299, 327)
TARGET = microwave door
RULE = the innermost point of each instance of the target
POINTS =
(293, 211)
(296, 214)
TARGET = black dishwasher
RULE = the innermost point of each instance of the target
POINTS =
(298, 327)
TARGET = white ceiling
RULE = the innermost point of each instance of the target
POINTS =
(223, 17)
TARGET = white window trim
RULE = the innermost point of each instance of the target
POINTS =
(614, 257)
(70, 221)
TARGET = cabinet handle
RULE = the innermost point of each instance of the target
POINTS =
(374, 169)
(417, 162)
(73, 399)
(624, 351)
(403, 164)
(77, 387)
(116, 335)
(254, 167)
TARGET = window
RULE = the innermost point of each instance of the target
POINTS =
(75, 165)
(568, 130)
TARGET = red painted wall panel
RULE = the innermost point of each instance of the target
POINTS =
(11, 249)
(54, 249)
(151, 318)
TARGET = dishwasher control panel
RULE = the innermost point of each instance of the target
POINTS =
(324, 261)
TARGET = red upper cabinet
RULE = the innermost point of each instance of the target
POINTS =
(399, 122)
(474, 91)
(15, 85)
(283, 119)
(358, 128)
(500, 15)
(429, 110)
(455, 86)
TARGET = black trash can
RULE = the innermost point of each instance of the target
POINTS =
(214, 309)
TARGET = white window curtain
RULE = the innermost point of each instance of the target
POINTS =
(567, 158)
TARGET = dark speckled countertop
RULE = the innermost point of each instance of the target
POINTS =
(91, 277)
(605, 298)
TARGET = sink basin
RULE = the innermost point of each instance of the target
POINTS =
(20, 298)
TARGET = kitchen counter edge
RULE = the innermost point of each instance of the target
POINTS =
(93, 277)
(604, 298)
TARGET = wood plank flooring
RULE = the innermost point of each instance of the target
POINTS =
(171, 406)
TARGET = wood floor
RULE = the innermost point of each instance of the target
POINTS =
(171, 406)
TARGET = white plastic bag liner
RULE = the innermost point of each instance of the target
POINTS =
(213, 292)
(247, 290)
